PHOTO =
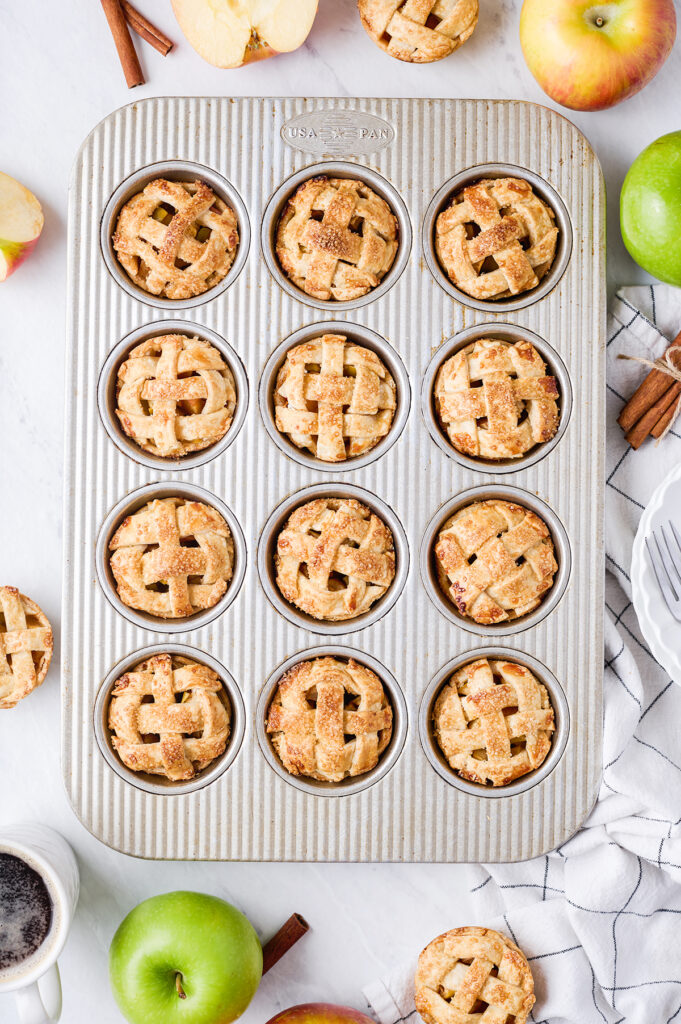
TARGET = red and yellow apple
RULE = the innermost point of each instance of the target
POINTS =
(21, 221)
(230, 33)
(590, 56)
(320, 1013)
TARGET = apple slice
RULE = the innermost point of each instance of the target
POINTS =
(230, 33)
(21, 221)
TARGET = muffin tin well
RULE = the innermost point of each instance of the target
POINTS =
(231, 697)
(409, 808)
(350, 785)
(559, 738)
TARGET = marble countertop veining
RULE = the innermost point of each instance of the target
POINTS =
(60, 76)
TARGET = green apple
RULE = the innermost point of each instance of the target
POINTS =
(650, 209)
(320, 1013)
(589, 55)
(184, 958)
(21, 221)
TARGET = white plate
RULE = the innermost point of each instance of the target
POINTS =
(660, 629)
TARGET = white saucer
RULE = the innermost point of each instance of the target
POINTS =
(660, 629)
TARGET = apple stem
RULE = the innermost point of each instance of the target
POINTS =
(600, 21)
(178, 985)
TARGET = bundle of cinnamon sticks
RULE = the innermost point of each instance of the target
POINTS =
(654, 404)
(120, 14)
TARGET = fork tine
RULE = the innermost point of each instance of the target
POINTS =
(663, 560)
(662, 580)
(673, 558)
(676, 536)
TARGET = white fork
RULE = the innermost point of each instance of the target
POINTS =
(664, 552)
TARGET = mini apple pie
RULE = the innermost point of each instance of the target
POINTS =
(496, 238)
(335, 558)
(26, 644)
(176, 239)
(419, 31)
(495, 401)
(330, 719)
(336, 239)
(169, 716)
(172, 558)
(493, 721)
(495, 561)
(335, 398)
(175, 395)
(473, 974)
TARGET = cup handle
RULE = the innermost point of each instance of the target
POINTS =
(40, 1003)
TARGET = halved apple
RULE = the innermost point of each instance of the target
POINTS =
(229, 33)
(21, 221)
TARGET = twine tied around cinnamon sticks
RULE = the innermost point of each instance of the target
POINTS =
(656, 403)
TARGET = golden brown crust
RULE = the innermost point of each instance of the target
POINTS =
(466, 970)
(516, 233)
(494, 400)
(334, 398)
(493, 721)
(172, 258)
(335, 558)
(26, 644)
(495, 561)
(329, 719)
(419, 31)
(172, 558)
(336, 239)
(169, 716)
(175, 395)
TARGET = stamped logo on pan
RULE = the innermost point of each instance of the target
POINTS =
(338, 133)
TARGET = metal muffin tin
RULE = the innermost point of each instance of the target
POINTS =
(415, 153)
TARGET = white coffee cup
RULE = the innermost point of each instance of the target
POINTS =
(35, 981)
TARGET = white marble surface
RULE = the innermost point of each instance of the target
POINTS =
(59, 77)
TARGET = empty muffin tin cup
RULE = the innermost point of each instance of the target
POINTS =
(335, 169)
(173, 170)
(441, 201)
(267, 548)
(559, 739)
(504, 332)
(350, 785)
(132, 503)
(231, 697)
(106, 394)
(359, 335)
(487, 492)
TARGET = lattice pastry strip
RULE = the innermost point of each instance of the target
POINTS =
(493, 721)
(473, 974)
(334, 398)
(495, 400)
(175, 395)
(176, 239)
(26, 644)
(419, 31)
(336, 238)
(335, 558)
(330, 719)
(497, 238)
(495, 560)
(172, 558)
(167, 717)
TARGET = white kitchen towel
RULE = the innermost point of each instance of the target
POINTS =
(600, 918)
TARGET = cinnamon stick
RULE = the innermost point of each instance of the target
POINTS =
(664, 421)
(649, 421)
(651, 389)
(124, 44)
(144, 28)
(285, 938)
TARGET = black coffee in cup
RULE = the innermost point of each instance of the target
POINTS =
(25, 911)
